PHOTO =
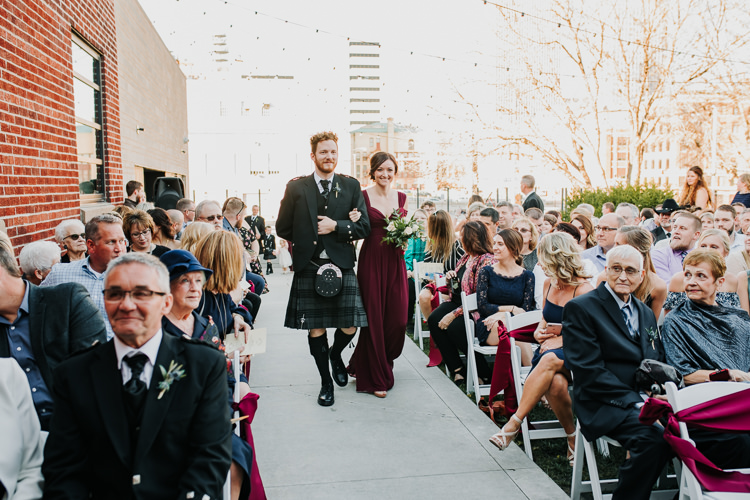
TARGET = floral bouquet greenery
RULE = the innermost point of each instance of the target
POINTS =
(400, 230)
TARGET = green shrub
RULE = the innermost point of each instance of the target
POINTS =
(648, 195)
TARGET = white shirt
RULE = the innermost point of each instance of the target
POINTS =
(737, 242)
(634, 319)
(320, 186)
(150, 349)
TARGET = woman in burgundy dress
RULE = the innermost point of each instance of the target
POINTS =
(382, 282)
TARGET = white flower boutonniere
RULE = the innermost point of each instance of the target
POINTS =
(653, 334)
(175, 373)
(337, 189)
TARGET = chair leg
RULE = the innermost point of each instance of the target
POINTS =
(576, 481)
(596, 487)
(526, 437)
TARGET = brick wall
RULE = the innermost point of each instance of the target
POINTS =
(38, 169)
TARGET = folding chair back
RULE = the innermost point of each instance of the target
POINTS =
(421, 270)
(469, 304)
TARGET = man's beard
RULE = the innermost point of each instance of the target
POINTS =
(326, 168)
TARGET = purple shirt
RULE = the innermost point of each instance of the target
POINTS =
(667, 262)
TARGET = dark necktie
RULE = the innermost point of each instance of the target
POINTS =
(135, 388)
(626, 314)
(683, 254)
(669, 235)
(325, 183)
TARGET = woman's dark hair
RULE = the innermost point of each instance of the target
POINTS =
(162, 221)
(378, 159)
(567, 227)
(476, 239)
(514, 243)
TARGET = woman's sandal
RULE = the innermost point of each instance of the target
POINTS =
(500, 440)
(380, 394)
(571, 451)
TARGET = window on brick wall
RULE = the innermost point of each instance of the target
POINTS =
(87, 94)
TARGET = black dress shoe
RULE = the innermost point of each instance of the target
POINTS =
(338, 370)
(325, 398)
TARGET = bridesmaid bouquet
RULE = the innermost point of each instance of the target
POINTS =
(400, 230)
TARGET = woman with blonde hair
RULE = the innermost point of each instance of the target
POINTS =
(221, 252)
(715, 240)
(695, 192)
(560, 258)
(707, 219)
(530, 235)
(193, 233)
(442, 247)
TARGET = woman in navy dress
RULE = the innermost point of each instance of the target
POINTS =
(559, 257)
(381, 273)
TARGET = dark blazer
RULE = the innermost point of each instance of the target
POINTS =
(533, 200)
(603, 358)
(298, 220)
(260, 225)
(62, 320)
(269, 245)
(184, 444)
(659, 234)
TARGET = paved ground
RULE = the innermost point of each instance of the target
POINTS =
(425, 440)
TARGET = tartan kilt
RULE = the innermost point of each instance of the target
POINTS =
(307, 310)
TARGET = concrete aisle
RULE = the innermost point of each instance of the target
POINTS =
(425, 440)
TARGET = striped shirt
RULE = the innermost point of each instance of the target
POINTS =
(80, 271)
(449, 265)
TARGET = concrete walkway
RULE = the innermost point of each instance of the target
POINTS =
(425, 440)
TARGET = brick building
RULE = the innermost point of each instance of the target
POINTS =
(61, 140)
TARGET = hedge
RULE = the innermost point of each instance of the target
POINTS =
(648, 195)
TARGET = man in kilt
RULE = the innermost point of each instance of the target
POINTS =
(318, 215)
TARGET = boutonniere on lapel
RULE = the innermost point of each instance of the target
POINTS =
(337, 189)
(175, 373)
(653, 334)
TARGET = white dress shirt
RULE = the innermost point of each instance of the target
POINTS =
(150, 349)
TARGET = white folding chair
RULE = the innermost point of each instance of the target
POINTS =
(469, 304)
(542, 429)
(227, 490)
(421, 269)
(691, 396)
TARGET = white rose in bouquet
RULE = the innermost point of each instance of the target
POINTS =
(408, 230)
(391, 227)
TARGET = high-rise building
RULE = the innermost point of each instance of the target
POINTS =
(364, 83)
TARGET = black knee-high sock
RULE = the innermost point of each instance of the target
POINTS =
(340, 341)
(319, 351)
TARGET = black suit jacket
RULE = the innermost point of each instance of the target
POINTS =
(603, 358)
(298, 220)
(260, 225)
(533, 200)
(62, 320)
(184, 444)
(659, 234)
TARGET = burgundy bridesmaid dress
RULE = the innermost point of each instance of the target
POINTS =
(382, 283)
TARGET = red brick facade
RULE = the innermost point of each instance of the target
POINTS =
(38, 167)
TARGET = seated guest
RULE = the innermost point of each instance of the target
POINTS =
(186, 280)
(586, 229)
(743, 289)
(23, 444)
(44, 326)
(708, 221)
(415, 250)
(548, 224)
(163, 232)
(605, 239)
(701, 336)
(686, 229)
(560, 258)
(717, 241)
(177, 219)
(442, 247)
(743, 190)
(71, 235)
(138, 227)
(210, 211)
(105, 241)
(221, 251)
(739, 260)
(652, 291)
(193, 233)
(234, 213)
(664, 229)
(37, 259)
(490, 217)
(536, 216)
(447, 328)
(724, 218)
(143, 416)
(504, 286)
(607, 333)
(504, 211)
(530, 236)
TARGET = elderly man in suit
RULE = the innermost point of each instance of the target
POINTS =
(323, 214)
(607, 333)
(145, 415)
(42, 327)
